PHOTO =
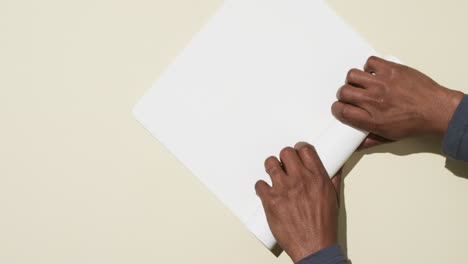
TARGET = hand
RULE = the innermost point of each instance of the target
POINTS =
(302, 205)
(395, 101)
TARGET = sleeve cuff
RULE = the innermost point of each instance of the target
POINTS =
(330, 255)
(455, 144)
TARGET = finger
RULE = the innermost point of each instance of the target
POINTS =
(311, 161)
(291, 162)
(262, 189)
(373, 140)
(375, 65)
(368, 143)
(359, 78)
(336, 180)
(275, 170)
(352, 95)
(352, 115)
(309, 157)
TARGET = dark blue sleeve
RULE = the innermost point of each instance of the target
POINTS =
(330, 255)
(455, 144)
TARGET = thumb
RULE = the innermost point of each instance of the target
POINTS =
(337, 183)
(373, 140)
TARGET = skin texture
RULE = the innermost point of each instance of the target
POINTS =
(394, 101)
(302, 204)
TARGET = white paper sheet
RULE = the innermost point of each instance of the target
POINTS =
(261, 75)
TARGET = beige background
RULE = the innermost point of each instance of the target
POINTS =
(82, 182)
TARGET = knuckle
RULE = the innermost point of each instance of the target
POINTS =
(371, 60)
(307, 150)
(379, 84)
(275, 203)
(381, 100)
(273, 170)
(270, 161)
(335, 108)
(344, 92)
(303, 149)
(351, 74)
(301, 145)
(257, 185)
(260, 186)
(316, 181)
(339, 93)
(287, 152)
(377, 100)
(345, 114)
(396, 71)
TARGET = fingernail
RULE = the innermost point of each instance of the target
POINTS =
(300, 145)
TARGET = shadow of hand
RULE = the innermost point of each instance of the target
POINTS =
(417, 145)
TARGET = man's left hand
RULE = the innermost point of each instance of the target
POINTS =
(302, 204)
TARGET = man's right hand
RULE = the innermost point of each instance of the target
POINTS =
(394, 101)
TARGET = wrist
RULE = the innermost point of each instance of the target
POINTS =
(330, 254)
(448, 103)
(302, 252)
